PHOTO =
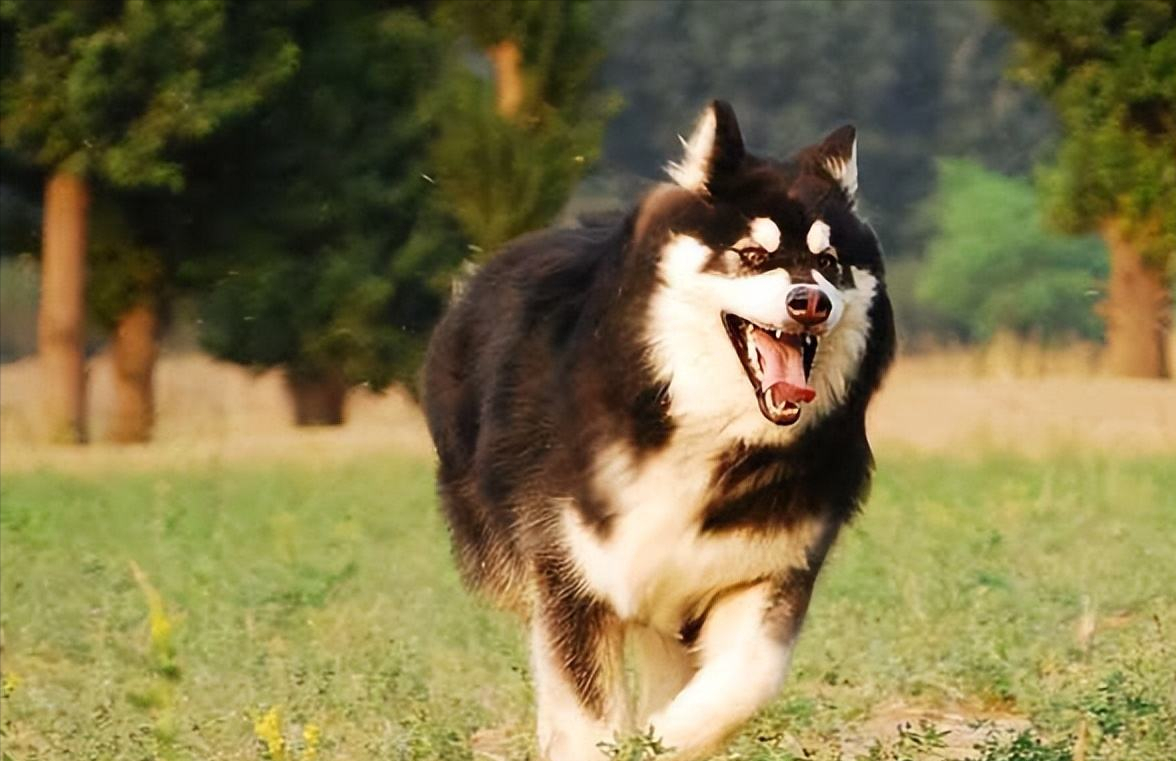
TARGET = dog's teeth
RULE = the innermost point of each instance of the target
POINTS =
(779, 334)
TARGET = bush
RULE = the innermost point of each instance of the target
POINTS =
(991, 266)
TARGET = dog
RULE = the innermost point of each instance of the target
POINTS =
(651, 428)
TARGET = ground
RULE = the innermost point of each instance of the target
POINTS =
(290, 596)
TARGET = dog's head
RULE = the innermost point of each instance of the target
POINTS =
(767, 279)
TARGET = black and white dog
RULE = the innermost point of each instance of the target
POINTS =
(653, 429)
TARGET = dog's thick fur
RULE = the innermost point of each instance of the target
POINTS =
(616, 462)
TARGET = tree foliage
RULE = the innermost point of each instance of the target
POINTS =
(108, 88)
(1109, 68)
(308, 168)
(991, 266)
(127, 264)
(504, 174)
(317, 240)
(918, 79)
(101, 95)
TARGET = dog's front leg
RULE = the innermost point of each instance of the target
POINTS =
(744, 649)
(577, 652)
(664, 667)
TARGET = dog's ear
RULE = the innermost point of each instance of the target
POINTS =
(713, 152)
(838, 155)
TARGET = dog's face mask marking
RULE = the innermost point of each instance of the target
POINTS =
(774, 256)
(818, 238)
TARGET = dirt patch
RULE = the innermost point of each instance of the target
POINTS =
(922, 406)
(960, 729)
(209, 410)
(498, 744)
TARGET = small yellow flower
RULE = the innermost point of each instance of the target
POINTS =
(268, 729)
(162, 646)
(161, 628)
(310, 736)
(9, 684)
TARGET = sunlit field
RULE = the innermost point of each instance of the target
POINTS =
(301, 610)
(228, 230)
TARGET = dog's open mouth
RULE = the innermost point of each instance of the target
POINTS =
(777, 363)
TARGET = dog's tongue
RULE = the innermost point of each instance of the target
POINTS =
(783, 368)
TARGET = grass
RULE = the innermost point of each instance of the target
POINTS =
(301, 612)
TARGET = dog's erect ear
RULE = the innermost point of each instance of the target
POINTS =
(714, 150)
(838, 154)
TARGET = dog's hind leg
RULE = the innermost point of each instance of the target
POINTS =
(577, 652)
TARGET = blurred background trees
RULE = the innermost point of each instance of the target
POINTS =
(299, 180)
(919, 80)
(1109, 69)
(991, 265)
(103, 92)
(315, 241)
(509, 152)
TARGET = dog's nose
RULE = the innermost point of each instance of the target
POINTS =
(808, 305)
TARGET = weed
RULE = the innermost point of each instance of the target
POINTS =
(1025, 746)
(8, 684)
(163, 649)
(925, 742)
(271, 732)
(1116, 705)
(311, 736)
(427, 739)
(268, 729)
(158, 696)
(636, 747)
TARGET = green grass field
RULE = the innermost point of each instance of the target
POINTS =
(296, 612)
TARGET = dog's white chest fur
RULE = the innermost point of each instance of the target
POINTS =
(655, 564)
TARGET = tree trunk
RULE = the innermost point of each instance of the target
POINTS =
(507, 60)
(62, 313)
(135, 351)
(318, 399)
(1137, 311)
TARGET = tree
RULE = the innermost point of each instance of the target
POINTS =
(918, 79)
(319, 242)
(129, 289)
(106, 90)
(991, 265)
(1109, 68)
(509, 151)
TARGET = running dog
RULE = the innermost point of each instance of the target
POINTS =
(652, 427)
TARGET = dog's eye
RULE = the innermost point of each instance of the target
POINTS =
(751, 254)
(825, 260)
